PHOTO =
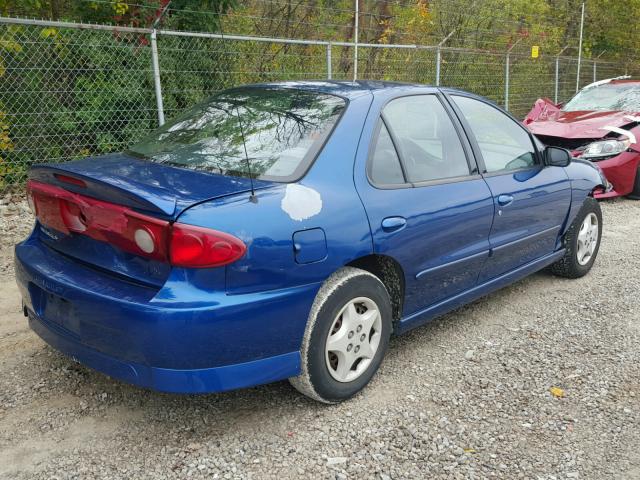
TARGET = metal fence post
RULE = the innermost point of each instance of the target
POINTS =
(438, 66)
(329, 67)
(506, 83)
(555, 96)
(439, 56)
(156, 77)
(356, 27)
(506, 74)
(595, 61)
(580, 48)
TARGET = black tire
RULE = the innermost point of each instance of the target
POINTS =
(569, 266)
(345, 285)
(635, 194)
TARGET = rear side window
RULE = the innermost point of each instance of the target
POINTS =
(504, 144)
(385, 164)
(283, 130)
(426, 137)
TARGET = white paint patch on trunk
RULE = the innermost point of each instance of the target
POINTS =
(301, 202)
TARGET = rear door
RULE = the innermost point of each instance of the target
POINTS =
(427, 205)
(531, 199)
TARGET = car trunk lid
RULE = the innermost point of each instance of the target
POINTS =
(116, 190)
(146, 186)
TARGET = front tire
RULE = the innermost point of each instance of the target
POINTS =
(582, 242)
(346, 338)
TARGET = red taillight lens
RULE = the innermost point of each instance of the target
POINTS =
(181, 245)
(197, 247)
(70, 180)
(120, 226)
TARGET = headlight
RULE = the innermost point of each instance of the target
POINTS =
(606, 148)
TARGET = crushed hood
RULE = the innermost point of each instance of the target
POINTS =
(546, 118)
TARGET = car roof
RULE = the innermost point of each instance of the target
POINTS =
(341, 87)
(608, 81)
(625, 80)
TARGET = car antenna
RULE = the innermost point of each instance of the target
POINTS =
(252, 197)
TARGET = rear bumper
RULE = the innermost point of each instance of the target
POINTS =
(202, 380)
(193, 341)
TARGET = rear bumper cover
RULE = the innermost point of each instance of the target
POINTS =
(202, 380)
(211, 342)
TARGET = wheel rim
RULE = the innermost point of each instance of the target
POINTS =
(353, 339)
(587, 239)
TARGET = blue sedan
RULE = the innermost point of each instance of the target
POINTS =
(286, 230)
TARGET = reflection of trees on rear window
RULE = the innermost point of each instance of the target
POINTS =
(610, 96)
(283, 130)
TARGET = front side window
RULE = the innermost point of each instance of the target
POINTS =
(426, 137)
(283, 129)
(504, 144)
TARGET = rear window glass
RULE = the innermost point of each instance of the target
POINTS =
(283, 130)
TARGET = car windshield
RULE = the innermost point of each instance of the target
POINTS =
(609, 96)
(281, 129)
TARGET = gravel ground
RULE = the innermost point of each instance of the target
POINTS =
(467, 396)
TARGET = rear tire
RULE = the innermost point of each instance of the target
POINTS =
(635, 193)
(582, 242)
(346, 338)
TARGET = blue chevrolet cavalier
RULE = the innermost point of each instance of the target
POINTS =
(286, 230)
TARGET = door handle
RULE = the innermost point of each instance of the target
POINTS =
(392, 224)
(504, 200)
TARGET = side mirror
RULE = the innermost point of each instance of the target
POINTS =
(557, 157)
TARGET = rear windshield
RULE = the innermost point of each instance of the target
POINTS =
(610, 96)
(282, 130)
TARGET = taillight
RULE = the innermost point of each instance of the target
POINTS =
(70, 180)
(198, 247)
(179, 244)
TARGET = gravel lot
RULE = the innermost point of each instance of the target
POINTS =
(467, 396)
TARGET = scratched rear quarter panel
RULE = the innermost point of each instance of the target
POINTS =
(324, 198)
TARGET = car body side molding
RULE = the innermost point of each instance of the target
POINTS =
(423, 316)
(484, 253)
(528, 238)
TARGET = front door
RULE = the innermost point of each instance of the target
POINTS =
(531, 200)
(427, 206)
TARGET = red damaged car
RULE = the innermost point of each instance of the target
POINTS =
(601, 124)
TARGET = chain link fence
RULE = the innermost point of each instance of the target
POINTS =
(72, 90)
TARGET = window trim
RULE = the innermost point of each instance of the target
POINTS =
(539, 164)
(467, 148)
(373, 143)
